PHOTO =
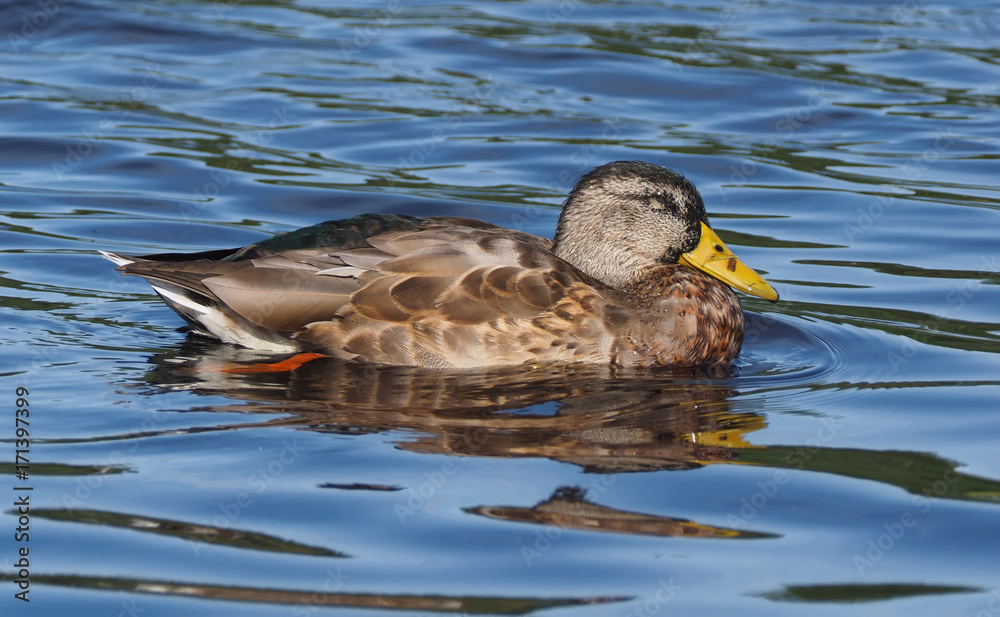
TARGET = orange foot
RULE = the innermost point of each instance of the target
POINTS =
(288, 364)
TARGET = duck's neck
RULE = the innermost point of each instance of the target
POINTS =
(596, 246)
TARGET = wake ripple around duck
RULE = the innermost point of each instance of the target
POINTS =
(787, 352)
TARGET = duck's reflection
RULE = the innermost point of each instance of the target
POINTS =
(568, 508)
(599, 418)
(602, 419)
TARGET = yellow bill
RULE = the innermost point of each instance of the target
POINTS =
(714, 258)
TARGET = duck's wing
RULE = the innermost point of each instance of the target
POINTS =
(453, 296)
(258, 295)
(382, 268)
(397, 275)
(459, 274)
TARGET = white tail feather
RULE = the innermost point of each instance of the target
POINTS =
(117, 259)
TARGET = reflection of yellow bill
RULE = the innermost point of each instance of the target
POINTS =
(714, 258)
(731, 435)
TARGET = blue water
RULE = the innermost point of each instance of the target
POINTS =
(848, 151)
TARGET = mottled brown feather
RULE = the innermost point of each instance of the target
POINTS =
(419, 295)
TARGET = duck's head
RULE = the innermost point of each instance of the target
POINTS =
(625, 217)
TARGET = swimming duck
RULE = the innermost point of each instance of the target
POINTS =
(634, 277)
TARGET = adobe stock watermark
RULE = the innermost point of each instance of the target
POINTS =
(790, 122)
(710, 30)
(562, 12)
(893, 532)
(127, 101)
(656, 601)
(130, 609)
(415, 499)
(371, 31)
(547, 535)
(258, 483)
(588, 155)
(992, 607)
(418, 498)
(957, 297)
(221, 177)
(915, 168)
(225, 6)
(333, 583)
(425, 148)
(903, 14)
(583, 159)
(751, 506)
(33, 22)
(88, 485)
(757, 324)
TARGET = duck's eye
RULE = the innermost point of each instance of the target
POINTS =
(718, 248)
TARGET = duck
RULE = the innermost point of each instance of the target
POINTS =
(635, 276)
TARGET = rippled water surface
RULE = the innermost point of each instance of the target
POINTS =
(847, 150)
